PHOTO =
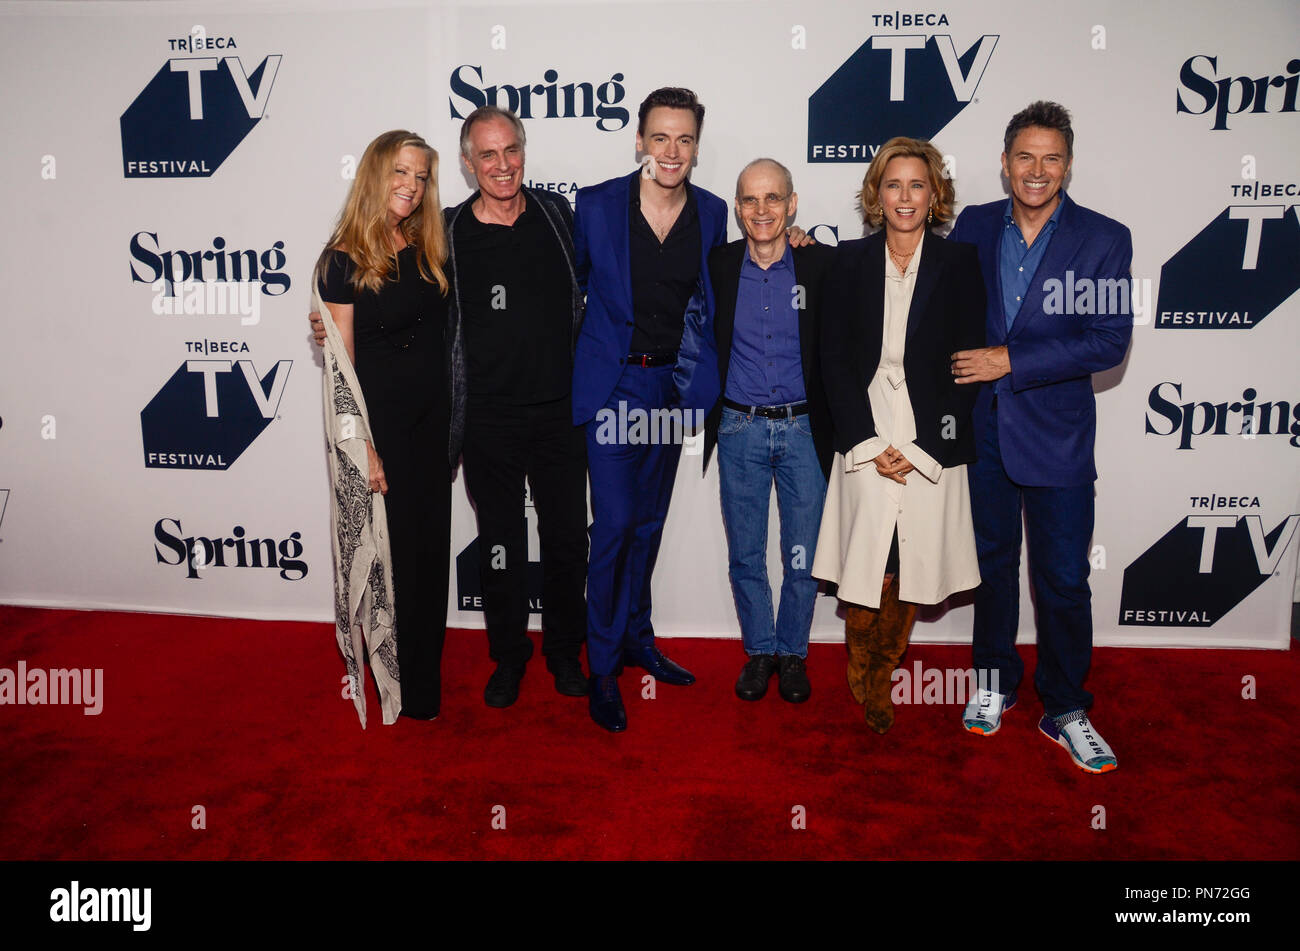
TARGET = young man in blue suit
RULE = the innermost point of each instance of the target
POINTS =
(1035, 423)
(641, 242)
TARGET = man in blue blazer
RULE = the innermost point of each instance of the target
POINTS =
(641, 241)
(1058, 311)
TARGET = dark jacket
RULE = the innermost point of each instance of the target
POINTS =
(560, 216)
(946, 315)
(1046, 415)
(810, 264)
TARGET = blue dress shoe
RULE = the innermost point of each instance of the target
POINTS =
(660, 667)
(606, 704)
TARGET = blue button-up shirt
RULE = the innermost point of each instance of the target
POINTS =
(1020, 261)
(766, 368)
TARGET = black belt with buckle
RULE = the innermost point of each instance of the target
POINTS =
(788, 411)
(660, 358)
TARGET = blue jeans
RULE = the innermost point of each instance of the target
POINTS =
(752, 452)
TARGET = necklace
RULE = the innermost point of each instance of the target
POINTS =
(900, 260)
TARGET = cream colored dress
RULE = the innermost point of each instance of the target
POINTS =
(936, 538)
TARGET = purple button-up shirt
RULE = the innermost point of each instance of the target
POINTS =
(766, 368)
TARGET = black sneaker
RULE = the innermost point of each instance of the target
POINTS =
(795, 687)
(503, 686)
(569, 678)
(759, 669)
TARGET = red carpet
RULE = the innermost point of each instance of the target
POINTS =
(246, 719)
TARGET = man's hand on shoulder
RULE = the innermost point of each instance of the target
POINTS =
(798, 238)
(981, 366)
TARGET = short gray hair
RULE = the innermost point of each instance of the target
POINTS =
(489, 112)
(785, 172)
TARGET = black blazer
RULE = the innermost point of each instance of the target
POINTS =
(947, 314)
(810, 265)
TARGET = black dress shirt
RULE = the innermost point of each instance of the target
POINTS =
(664, 276)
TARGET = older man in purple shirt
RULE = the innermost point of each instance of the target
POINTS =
(756, 316)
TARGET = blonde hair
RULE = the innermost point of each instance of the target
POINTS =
(941, 190)
(362, 229)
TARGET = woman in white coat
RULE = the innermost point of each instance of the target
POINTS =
(896, 528)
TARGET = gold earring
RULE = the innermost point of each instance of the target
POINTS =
(930, 217)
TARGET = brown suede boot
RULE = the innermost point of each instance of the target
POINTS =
(859, 626)
(886, 644)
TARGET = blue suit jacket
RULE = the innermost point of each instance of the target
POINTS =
(1047, 418)
(601, 239)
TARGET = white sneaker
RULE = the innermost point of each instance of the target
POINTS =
(983, 713)
(1082, 741)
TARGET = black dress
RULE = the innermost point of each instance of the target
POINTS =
(398, 340)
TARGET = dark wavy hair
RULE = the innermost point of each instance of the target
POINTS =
(1043, 114)
(674, 97)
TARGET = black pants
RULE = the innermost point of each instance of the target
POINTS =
(503, 446)
(410, 435)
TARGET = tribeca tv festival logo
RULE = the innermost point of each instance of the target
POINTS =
(1205, 565)
(1240, 267)
(195, 110)
(469, 579)
(894, 84)
(210, 410)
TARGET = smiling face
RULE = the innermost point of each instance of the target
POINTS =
(1036, 167)
(406, 186)
(496, 157)
(905, 195)
(764, 203)
(670, 139)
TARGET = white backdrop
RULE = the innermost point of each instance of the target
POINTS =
(93, 378)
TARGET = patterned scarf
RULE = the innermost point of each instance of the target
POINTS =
(363, 573)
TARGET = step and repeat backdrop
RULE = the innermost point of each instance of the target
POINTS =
(171, 170)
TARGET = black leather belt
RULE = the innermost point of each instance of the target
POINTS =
(788, 411)
(661, 358)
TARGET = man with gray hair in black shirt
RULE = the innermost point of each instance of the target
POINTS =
(513, 318)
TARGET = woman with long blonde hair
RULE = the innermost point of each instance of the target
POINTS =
(384, 291)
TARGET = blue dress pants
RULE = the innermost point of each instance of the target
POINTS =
(1059, 522)
(632, 471)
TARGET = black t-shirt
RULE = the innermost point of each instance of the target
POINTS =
(664, 276)
(516, 309)
(397, 332)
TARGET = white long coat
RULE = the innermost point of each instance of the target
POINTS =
(936, 538)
